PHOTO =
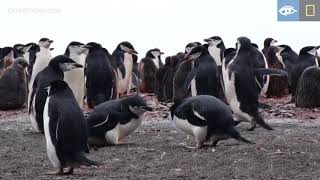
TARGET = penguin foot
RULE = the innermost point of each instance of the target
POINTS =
(69, 172)
(58, 172)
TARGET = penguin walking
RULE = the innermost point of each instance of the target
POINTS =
(123, 64)
(100, 78)
(204, 78)
(112, 121)
(148, 68)
(307, 58)
(38, 95)
(65, 129)
(241, 86)
(13, 89)
(183, 69)
(75, 78)
(205, 117)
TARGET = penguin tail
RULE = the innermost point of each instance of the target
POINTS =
(236, 135)
(262, 123)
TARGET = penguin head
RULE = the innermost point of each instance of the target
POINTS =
(6, 53)
(269, 42)
(76, 48)
(137, 105)
(64, 63)
(56, 86)
(126, 47)
(45, 43)
(21, 63)
(309, 50)
(154, 53)
(283, 49)
(243, 43)
(195, 53)
(190, 46)
(213, 41)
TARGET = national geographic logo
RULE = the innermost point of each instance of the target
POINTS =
(298, 10)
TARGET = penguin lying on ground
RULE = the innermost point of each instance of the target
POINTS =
(112, 121)
(240, 83)
(308, 89)
(205, 117)
(122, 61)
(38, 95)
(100, 79)
(13, 91)
(65, 129)
(75, 78)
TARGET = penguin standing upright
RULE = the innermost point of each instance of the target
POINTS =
(100, 79)
(183, 69)
(31, 50)
(65, 129)
(75, 78)
(112, 121)
(148, 68)
(13, 91)
(216, 48)
(38, 95)
(6, 58)
(164, 78)
(267, 44)
(307, 57)
(204, 78)
(155, 55)
(123, 63)
(205, 117)
(288, 58)
(240, 83)
(278, 86)
(43, 57)
(136, 77)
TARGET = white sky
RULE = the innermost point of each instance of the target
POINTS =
(165, 24)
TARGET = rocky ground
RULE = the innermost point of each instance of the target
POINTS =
(157, 150)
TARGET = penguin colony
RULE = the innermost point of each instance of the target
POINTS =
(208, 84)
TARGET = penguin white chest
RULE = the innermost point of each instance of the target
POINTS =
(124, 82)
(231, 95)
(200, 132)
(156, 62)
(215, 53)
(51, 149)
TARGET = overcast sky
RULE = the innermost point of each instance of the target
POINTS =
(165, 24)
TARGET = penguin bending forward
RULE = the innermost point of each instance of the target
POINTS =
(65, 129)
(205, 117)
(112, 121)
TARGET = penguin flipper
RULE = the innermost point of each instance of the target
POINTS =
(188, 80)
(33, 93)
(263, 72)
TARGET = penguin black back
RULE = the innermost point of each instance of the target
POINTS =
(99, 75)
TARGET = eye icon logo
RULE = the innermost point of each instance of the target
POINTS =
(287, 10)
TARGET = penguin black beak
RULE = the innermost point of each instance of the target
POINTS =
(207, 40)
(161, 52)
(86, 46)
(132, 51)
(78, 65)
(51, 49)
(50, 41)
